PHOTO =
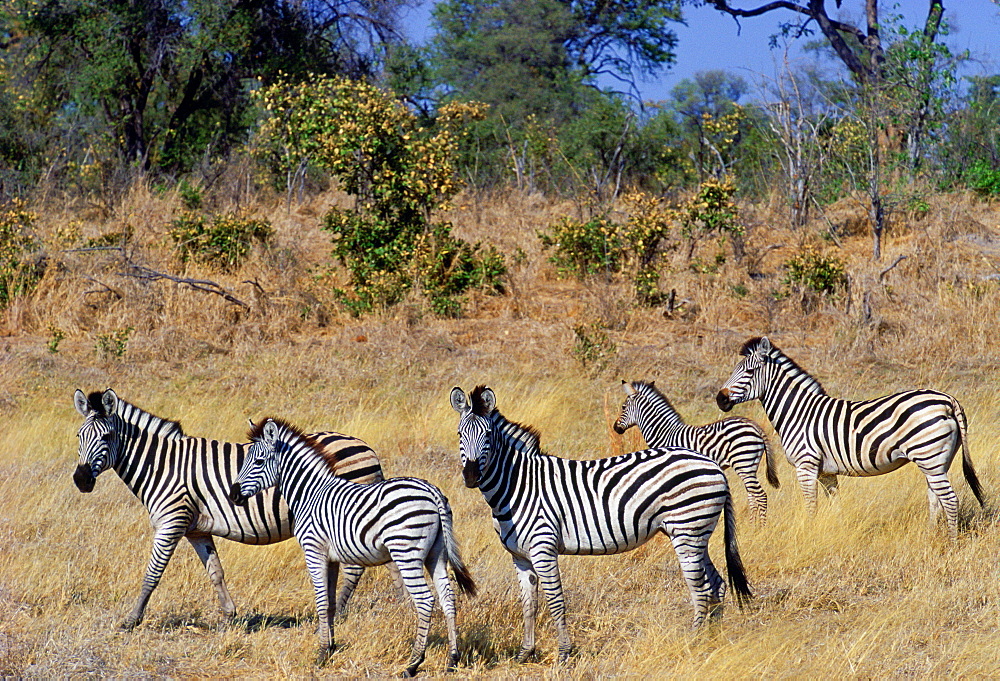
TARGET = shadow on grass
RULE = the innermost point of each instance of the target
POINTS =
(253, 622)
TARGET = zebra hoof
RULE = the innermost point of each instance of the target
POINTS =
(129, 624)
(324, 655)
(525, 655)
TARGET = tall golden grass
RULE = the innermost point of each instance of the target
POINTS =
(862, 589)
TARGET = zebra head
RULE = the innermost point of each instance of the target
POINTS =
(473, 430)
(744, 385)
(630, 408)
(100, 436)
(260, 465)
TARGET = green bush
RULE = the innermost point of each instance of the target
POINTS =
(400, 169)
(984, 178)
(815, 272)
(581, 248)
(17, 274)
(114, 344)
(224, 242)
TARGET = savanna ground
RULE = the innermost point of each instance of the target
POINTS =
(862, 589)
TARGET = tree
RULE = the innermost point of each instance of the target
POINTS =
(533, 56)
(898, 75)
(166, 78)
(709, 110)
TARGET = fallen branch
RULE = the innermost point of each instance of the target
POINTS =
(204, 285)
(899, 259)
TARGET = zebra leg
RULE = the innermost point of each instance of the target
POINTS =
(165, 540)
(323, 574)
(438, 567)
(529, 605)
(940, 495)
(694, 560)
(807, 476)
(352, 575)
(755, 491)
(545, 562)
(412, 571)
(204, 546)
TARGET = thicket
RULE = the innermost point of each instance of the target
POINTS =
(299, 99)
(400, 171)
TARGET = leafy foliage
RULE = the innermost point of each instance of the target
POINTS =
(400, 172)
(17, 274)
(115, 343)
(816, 272)
(223, 242)
(984, 178)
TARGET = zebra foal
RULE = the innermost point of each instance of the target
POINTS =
(735, 442)
(824, 437)
(544, 506)
(184, 484)
(403, 520)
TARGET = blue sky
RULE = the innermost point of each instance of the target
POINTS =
(711, 40)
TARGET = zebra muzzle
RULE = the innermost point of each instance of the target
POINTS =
(236, 495)
(84, 478)
(471, 474)
(722, 399)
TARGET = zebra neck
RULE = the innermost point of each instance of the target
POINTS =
(512, 449)
(143, 435)
(785, 391)
(659, 419)
(302, 472)
(136, 423)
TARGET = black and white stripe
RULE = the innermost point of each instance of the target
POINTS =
(544, 506)
(824, 437)
(735, 442)
(184, 484)
(404, 520)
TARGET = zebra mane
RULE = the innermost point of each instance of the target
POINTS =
(787, 362)
(525, 439)
(133, 415)
(747, 348)
(653, 394)
(256, 432)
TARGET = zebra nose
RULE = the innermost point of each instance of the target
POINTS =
(471, 474)
(722, 399)
(236, 496)
(619, 428)
(84, 478)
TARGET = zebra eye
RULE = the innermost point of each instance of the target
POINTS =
(108, 437)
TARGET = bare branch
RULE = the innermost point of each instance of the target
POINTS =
(899, 259)
(204, 285)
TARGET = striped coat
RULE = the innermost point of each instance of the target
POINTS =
(824, 437)
(184, 484)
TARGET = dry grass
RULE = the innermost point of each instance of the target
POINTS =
(863, 589)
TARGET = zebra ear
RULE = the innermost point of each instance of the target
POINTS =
(764, 347)
(458, 400)
(80, 402)
(110, 401)
(489, 400)
(269, 432)
(628, 388)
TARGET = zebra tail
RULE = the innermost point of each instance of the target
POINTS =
(454, 558)
(771, 466)
(967, 469)
(734, 564)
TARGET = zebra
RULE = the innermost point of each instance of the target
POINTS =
(824, 437)
(733, 441)
(407, 521)
(544, 506)
(184, 484)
